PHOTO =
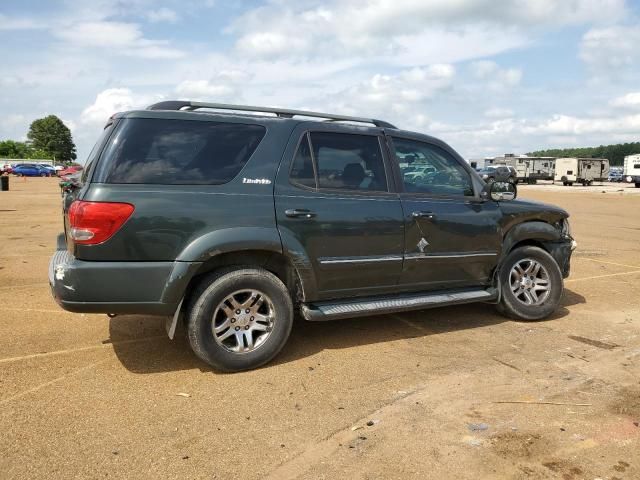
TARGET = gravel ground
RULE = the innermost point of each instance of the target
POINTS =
(456, 392)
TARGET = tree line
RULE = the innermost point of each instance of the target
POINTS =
(47, 138)
(614, 153)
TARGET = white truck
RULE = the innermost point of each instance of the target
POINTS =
(581, 170)
(631, 169)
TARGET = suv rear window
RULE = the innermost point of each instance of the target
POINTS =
(177, 152)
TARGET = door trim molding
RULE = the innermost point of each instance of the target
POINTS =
(368, 259)
(427, 256)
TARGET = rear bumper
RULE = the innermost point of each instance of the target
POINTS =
(154, 288)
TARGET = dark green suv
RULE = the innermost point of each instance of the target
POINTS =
(236, 221)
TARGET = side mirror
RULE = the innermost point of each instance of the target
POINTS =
(501, 191)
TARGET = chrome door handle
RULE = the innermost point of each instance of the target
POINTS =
(299, 212)
(427, 215)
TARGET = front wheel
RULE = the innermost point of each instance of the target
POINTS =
(239, 319)
(531, 284)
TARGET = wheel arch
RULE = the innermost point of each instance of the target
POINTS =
(534, 233)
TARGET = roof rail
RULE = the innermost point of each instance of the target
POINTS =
(280, 112)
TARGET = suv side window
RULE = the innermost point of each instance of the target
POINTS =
(302, 169)
(177, 152)
(429, 169)
(342, 161)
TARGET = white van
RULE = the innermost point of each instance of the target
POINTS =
(631, 169)
(581, 170)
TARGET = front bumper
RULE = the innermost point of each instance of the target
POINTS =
(561, 252)
(154, 288)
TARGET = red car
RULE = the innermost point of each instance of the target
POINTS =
(6, 168)
(69, 171)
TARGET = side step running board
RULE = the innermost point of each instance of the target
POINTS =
(320, 311)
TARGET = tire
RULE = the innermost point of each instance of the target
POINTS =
(512, 304)
(239, 283)
(565, 183)
(43, 175)
(570, 184)
(638, 185)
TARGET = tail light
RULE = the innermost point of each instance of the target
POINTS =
(91, 223)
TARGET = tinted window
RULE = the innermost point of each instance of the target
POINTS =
(446, 176)
(302, 171)
(348, 162)
(93, 154)
(177, 152)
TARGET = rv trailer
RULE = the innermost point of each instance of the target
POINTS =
(631, 170)
(581, 170)
(528, 169)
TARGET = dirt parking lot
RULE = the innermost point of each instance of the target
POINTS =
(455, 392)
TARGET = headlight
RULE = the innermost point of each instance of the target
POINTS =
(565, 228)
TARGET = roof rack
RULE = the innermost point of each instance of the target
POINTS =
(280, 112)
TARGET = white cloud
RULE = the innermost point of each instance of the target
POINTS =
(611, 48)
(571, 125)
(498, 113)
(496, 77)
(223, 86)
(630, 100)
(203, 89)
(394, 94)
(117, 37)
(163, 14)
(271, 44)
(380, 27)
(114, 100)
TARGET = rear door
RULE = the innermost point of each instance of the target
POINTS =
(451, 237)
(336, 210)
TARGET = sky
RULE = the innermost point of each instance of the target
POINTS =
(487, 76)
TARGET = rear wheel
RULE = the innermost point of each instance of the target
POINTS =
(531, 284)
(239, 319)
(638, 185)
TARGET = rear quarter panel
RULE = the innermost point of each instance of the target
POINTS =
(169, 218)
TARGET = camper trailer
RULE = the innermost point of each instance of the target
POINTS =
(581, 170)
(528, 169)
(631, 169)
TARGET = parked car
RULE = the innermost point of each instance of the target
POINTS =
(6, 168)
(50, 168)
(488, 174)
(31, 170)
(69, 170)
(421, 171)
(230, 223)
(615, 176)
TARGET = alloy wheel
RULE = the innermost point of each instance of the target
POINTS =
(530, 282)
(243, 321)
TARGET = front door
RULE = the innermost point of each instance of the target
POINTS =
(452, 239)
(336, 213)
